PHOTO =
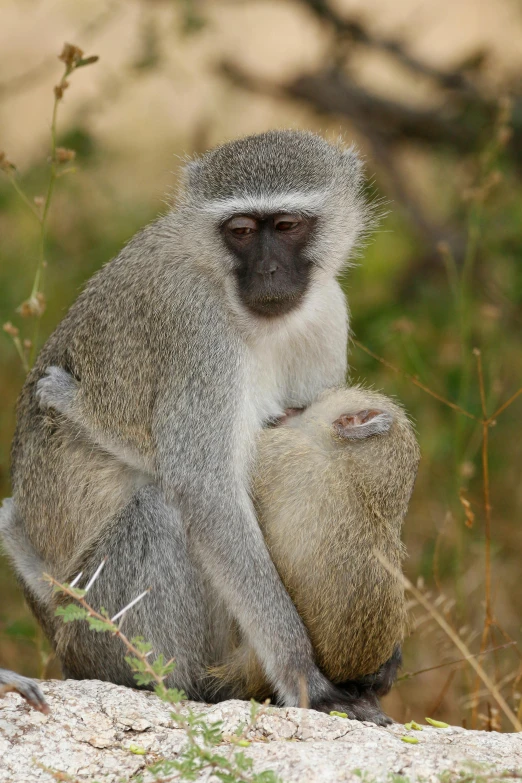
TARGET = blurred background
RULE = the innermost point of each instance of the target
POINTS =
(431, 93)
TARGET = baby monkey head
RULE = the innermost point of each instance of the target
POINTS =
(285, 208)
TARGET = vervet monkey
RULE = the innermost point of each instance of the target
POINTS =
(9, 681)
(331, 487)
(211, 322)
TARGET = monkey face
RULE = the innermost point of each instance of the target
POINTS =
(272, 267)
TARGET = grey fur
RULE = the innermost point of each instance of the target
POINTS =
(144, 453)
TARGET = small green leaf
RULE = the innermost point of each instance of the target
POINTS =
(438, 724)
(338, 714)
(413, 725)
(71, 612)
(100, 625)
(174, 696)
(244, 743)
(137, 750)
(410, 740)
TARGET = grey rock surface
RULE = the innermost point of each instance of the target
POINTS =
(92, 725)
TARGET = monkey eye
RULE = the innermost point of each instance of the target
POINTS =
(241, 225)
(287, 222)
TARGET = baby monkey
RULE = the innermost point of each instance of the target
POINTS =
(331, 488)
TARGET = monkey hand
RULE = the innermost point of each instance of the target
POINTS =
(9, 681)
(355, 426)
(57, 389)
(288, 414)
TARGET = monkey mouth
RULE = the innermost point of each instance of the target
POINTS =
(271, 305)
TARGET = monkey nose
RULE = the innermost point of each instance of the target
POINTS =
(271, 268)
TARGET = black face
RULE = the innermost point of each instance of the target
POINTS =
(272, 270)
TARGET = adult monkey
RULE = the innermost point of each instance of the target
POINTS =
(211, 322)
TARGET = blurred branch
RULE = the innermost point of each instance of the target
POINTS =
(332, 92)
(355, 31)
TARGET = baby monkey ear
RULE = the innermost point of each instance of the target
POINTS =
(355, 426)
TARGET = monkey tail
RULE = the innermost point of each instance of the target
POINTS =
(26, 561)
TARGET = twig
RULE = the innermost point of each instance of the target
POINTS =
(36, 73)
(20, 192)
(505, 405)
(72, 593)
(409, 675)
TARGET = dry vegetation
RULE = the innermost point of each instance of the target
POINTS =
(436, 301)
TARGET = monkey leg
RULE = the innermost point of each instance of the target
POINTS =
(146, 547)
(373, 686)
(382, 680)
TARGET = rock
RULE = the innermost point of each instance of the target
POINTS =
(99, 731)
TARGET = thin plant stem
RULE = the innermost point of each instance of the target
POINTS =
(21, 353)
(37, 282)
(488, 619)
(73, 58)
(115, 631)
(409, 675)
(18, 189)
(505, 405)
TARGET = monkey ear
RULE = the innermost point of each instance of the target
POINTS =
(353, 163)
(192, 172)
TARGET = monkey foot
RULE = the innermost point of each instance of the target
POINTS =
(355, 426)
(365, 707)
(57, 389)
(26, 688)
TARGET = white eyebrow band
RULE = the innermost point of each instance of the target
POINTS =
(304, 203)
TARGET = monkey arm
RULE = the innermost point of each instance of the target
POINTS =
(59, 391)
(202, 433)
